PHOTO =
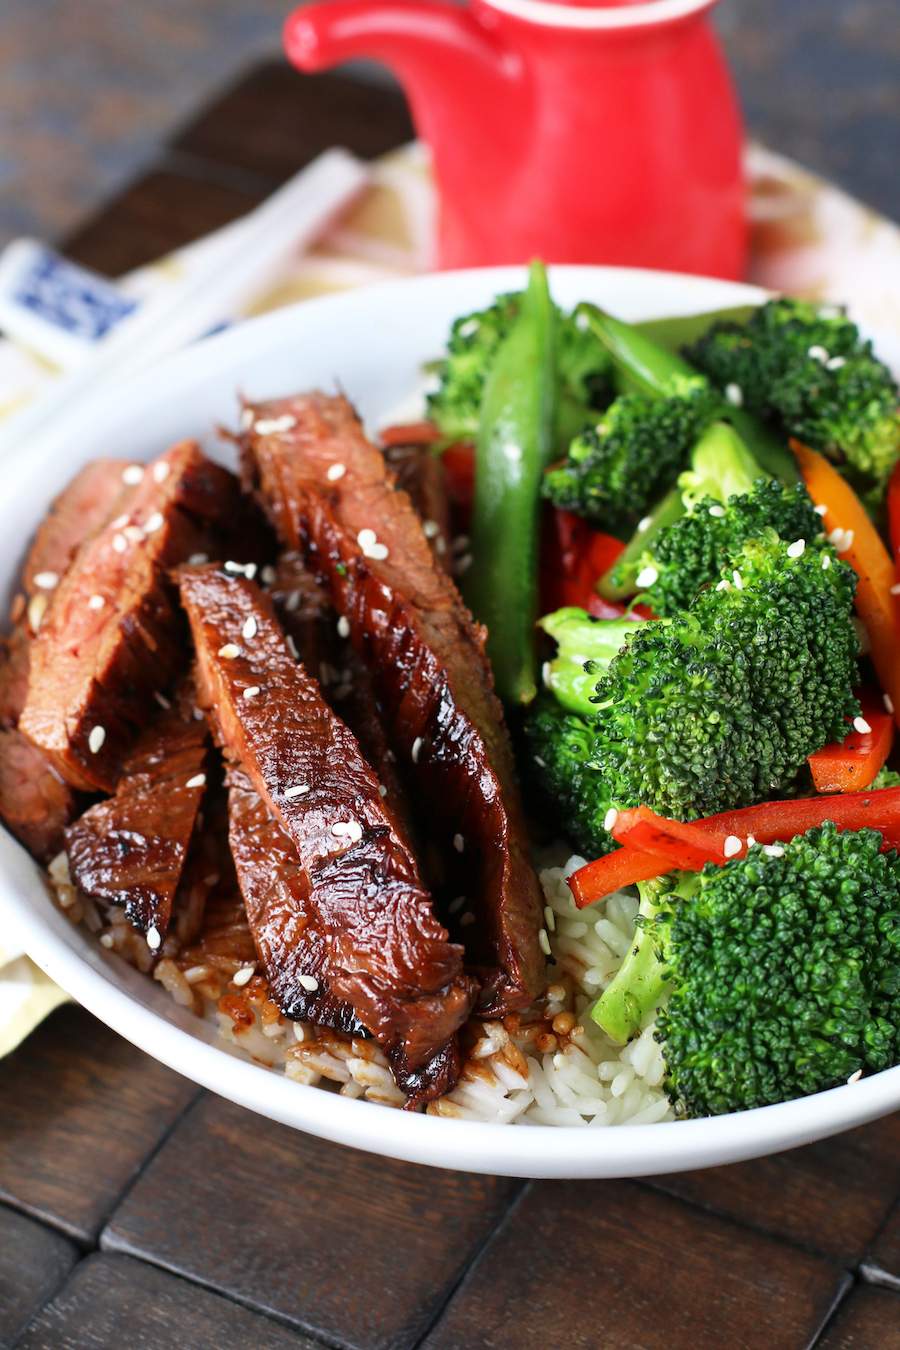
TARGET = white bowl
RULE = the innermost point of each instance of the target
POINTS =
(373, 342)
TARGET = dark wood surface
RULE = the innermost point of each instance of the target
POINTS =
(141, 1213)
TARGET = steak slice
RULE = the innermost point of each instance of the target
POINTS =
(328, 492)
(113, 635)
(131, 849)
(35, 802)
(360, 908)
(419, 472)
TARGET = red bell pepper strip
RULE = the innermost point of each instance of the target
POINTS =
(893, 506)
(864, 550)
(573, 556)
(411, 433)
(689, 845)
(853, 763)
(459, 474)
(624, 867)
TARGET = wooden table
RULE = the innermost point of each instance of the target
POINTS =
(141, 1212)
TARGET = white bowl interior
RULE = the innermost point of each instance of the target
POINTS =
(372, 343)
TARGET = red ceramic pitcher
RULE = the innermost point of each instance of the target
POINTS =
(578, 134)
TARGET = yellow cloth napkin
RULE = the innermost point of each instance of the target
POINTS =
(808, 238)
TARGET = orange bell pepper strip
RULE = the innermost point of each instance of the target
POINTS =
(716, 839)
(893, 507)
(866, 553)
(853, 763)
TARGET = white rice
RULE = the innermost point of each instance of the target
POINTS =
(538, 1069)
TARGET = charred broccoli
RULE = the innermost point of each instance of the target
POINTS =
(808, 370)
(778, 973)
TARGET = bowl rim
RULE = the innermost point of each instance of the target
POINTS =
(533, 1151)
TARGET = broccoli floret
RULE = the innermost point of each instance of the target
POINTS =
(559, 749)
(720, 706)
(584, 371)
(809, 370)
(615, 470)
(584, 648)
(778, 973)
(728, 500)
(884, 779)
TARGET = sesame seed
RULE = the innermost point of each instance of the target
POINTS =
(366, 538)
(547, 674)
(154, 523)
(161, 471)
(347, 829)
(198, 559)
(888, 702)
(643, 525)
(735, 395)
(235, 568)
(154, 938)
(550, 918)
(796, 549)
(250, 571)
(162, 700)
(298, 790)
(456, 905)
(854, 1077)
(198, 714)
(247, 416)
(299, 1031)
(198, 780)
(751, 840)
(37, 608)
(738, 580)
(268, 576)
(106, 940)
(862, 726)
(96, 602)
(732, 846)
(292, 647)
(343, 626)
(309, 982)
(292, 601)
(46, 581)
(895, 589)
(817, 353)
(269, 426)
(335, 471)
(541, 763)
(431, 529)
(133, 533)
(821, 510)
(382, 790)
(461, 543)
(773, 850)
(466, 919)
(459, 843)
(544, 941)
(609, 820)
(463, 564)
(133, 474)
(646, 577)
(416, 749)
(723, 585)
(229, 651)
(252, 691)
(835, 363)
(826, 562)
(243, 976)
(717, 511)
(96, 739)
(120, 521)
(248, 632)
(119, 543)
(841, 539)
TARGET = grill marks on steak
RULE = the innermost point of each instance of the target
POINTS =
(112, 635)
(131, 849)
(329, 493)
(359, 909)
(35, 802)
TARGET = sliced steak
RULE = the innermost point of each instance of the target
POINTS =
(360, 909)
(419, 472)
(329, 494)
(35, 802)
(131, 849)
(113, 634)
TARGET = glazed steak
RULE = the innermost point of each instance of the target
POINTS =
(359, 910)
(113, 635)
(329, 492)
(131, 849)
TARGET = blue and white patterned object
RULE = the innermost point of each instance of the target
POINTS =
(54, 306)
